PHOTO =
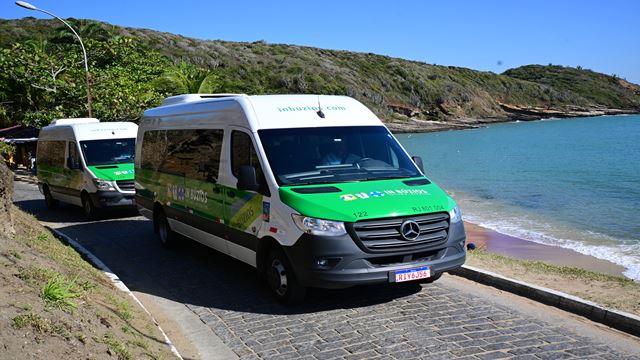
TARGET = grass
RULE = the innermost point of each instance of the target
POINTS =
(42, 236)
(32, 320)
(60, 292)
(36, 275)
(40, 324)
(117, 347)
(612, 291)
(541, 267)
(123, 309)
(57, 294)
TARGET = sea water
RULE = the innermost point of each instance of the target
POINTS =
(573, 183)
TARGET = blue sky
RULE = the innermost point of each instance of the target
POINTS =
(485, 35)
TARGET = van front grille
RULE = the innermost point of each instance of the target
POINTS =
(126, 185)
(383, 235)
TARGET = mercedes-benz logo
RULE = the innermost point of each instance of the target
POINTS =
(410, 230)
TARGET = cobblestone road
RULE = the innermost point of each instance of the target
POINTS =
(437, 321)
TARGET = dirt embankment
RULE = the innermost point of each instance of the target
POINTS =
(55, 305)
(6, 190)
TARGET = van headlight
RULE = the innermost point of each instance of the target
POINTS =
(455, 215)
(315, 226)
(104, 185)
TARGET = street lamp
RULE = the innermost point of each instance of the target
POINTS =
(28, 6)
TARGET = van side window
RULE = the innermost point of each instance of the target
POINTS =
(154, 149)
(192, 153)
(243, 153)
(74, 156)
(51, 153)
(198, 153)
(210, 145)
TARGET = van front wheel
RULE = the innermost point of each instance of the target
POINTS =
(282, 280)
(90, 210)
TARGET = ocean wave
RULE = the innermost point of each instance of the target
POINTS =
(624, 254)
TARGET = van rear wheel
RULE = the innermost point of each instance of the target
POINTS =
(49, 200)
(163, 230)
(281, 279)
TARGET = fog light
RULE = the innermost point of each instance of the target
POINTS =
(326, 263)
(322, 262)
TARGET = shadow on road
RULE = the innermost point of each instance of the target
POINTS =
(66, 213)
(194, 274)
(190, 273)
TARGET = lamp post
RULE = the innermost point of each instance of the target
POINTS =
(28, 6)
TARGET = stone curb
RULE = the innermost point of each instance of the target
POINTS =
(619, 320)
(114, 278)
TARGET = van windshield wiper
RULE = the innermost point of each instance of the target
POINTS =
(321, 182)
(385, 177)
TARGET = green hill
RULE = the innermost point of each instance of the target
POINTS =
(599, 89)
(133, 69)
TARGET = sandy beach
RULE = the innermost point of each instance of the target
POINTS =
(514, 247)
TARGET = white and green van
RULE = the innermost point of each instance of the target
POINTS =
(87, 163)
(313, 191)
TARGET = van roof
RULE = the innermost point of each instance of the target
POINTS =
(74, 121)
(270, 111)
(89, 130)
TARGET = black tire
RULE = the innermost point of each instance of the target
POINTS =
(433, 278)
(162, 229)
(48, 199)
(90, 210)
(282, 280)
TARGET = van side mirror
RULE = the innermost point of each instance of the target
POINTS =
(72, 164)
(247, 179)
(418, 161)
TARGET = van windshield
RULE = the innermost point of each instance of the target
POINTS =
(108, 151)
(303, 156)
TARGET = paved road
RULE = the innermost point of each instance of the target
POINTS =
(452, 318)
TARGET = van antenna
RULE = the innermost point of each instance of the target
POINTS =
(319, 112)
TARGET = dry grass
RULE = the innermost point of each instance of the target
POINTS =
(615, 292)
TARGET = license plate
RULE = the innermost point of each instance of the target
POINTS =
(412, 274)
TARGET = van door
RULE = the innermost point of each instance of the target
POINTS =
(204, 196)
(51, 167)
(73, 173)
(243, 209)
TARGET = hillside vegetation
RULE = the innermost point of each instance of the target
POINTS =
(41, 78)
(600, 89)
(55, 305)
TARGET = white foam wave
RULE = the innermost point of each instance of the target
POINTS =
(625, 254)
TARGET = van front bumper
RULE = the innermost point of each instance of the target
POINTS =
(349, 265)
(110, 199)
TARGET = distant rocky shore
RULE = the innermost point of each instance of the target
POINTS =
(512, 113)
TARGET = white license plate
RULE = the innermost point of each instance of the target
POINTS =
(413, 274)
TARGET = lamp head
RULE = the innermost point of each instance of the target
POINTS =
(26, 5)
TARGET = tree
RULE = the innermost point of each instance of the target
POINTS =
(41, 81)
(185, 78)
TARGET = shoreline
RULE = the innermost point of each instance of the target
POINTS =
(507, 245)
(418, 126)
(518, 248)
